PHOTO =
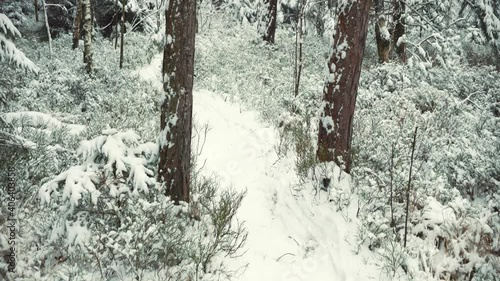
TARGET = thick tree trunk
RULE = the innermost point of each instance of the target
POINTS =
(87, 27)
(271, 20)
(176, 112)
(76, 26)
(399, 29)
(339, 93)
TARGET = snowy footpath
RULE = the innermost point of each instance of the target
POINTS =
(291, 235)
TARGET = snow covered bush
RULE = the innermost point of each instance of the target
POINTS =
(455, 158)
(110, 214)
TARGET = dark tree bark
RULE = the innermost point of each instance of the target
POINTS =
(36, 10)
(76, 26)
(399, 29)
(382, 35)
(339, 93)
(271, 20)
(176, 112)
(122, 33)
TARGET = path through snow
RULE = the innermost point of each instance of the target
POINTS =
(290, 237)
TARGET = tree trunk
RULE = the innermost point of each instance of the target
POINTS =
(298, 48)
(47, 26)
(87, 28)
(339, 93)
(117, 21)
(176, 112)
(382, 35)
(36, 10)
(271, 20)
(76, 26)
(383, 39)
(399, 29)
(122, 33)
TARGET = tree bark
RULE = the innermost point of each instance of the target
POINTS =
(176, 112)
(122, 33)
(383, 39)
(339, 93)
(76, 26)
(271, 21)
(36, 10)
(87, 27)
(117, 21)
(399, 29)
(382, 35)
(298, 48)
(47, 26)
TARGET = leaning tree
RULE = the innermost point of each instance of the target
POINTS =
(176, 111)
(340, 90)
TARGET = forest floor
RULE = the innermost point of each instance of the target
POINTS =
(293, 233)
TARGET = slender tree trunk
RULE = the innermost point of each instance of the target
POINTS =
(47, 26)
(36, 10)
(76, 25)
(298, 48)
(177, 109)
(122, 33)
(409, 183)
(87, 27)
(399, 29)
(271, 21)
(117, 21)
(382, 35)
(339, 93)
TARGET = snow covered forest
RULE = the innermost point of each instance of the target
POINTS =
(252, 140)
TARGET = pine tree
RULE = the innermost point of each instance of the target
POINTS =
(339, 93)
(177, 109)
(8, 50)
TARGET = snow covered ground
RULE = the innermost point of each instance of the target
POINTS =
(291, 235)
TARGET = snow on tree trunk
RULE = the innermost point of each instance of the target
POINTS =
(383, 38)
(76, 28)
(399, 29)
(176, 112)
(382, 35)
(339, 93)
(271, 20)
(87, 27)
